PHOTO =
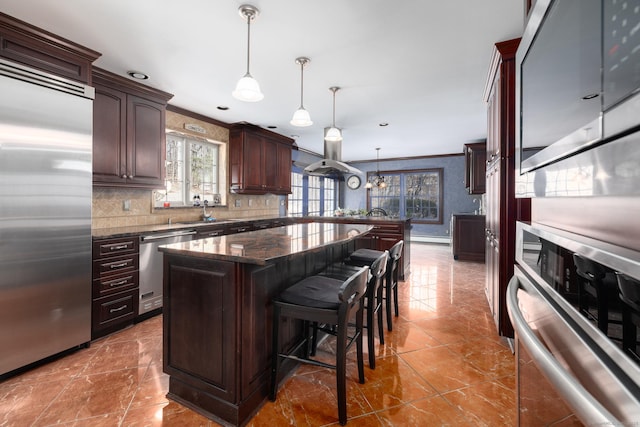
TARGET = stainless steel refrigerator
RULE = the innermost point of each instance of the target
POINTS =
(45, 215)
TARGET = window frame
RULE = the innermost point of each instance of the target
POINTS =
(321, 189)
(403, 192)
(217, 195)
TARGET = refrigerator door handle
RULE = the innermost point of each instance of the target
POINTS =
(586, 407)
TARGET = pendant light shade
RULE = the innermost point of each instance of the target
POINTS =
(248, 89)
(333, 133)
(301, 117)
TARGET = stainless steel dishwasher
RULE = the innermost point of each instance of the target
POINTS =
(151, 266)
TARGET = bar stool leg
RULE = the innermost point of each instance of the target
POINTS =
(379, 310)
(388, 291)
(341, 374)
(275, 348)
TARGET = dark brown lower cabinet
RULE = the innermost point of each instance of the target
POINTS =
(115, 284)
(468, 240)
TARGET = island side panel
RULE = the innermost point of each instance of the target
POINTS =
(199, 328)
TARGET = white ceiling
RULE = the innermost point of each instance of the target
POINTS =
(419, 65)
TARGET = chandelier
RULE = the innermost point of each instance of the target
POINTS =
(377, 180)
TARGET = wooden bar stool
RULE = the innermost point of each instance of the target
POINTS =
(321, 300)
(373, 297)
(363, 257)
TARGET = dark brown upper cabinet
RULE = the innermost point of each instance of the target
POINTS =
(128, 133)
(28, 45)
(260, 161)
(475, 159)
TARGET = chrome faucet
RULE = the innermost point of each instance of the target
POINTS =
(205, 215)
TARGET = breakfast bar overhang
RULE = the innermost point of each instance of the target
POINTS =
(217, 317)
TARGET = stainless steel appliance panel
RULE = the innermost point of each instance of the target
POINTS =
(45, 215)
(594, 380)
(151, 266)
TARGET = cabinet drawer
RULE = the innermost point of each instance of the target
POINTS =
(114, 247)
(387, 229)
(240, 229)
(212, 232)
(114, 309)
(110, 285)
(116, 265)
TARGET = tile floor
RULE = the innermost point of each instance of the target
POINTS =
(443, 365)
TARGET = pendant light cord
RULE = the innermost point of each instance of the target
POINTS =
(334, 109)
(301, 82)
(249, 16)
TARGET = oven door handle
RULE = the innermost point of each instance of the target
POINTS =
(585, 406)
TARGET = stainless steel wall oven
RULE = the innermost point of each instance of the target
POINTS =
(568, 368)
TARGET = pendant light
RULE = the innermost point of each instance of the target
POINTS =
(378, 180)
(247, 88)
(301, 117)
(333, 133)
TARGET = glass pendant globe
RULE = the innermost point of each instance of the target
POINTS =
(248, 90)
(333, 135)
(301, 118)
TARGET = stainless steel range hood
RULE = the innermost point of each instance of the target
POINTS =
(331, 164)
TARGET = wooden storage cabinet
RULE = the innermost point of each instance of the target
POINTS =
(260, 161)
(468, 233)
(23, 43)
(128, 133)
(115, 284)
(475, 156)
(502, 207)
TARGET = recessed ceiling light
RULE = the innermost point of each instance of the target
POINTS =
(383, 124)
(272, 127)
(138, 75)
(295, 136)
(223, 107)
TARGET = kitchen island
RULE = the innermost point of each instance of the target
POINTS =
(218, 316)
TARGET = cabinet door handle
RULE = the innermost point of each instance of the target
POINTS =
(124, 176)
(130, 177)
(122, 264)
(118, 247)
(119, 283)
(113, 310)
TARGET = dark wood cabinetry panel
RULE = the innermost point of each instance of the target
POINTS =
(128, 134)
(475, 156)
(115, 284)
(260, 161)
(206, 291)
(503, 209)
(468, 237)
(23, 43)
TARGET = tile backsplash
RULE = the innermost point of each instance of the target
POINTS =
(109, 208)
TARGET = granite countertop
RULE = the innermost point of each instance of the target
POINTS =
(136, 230)
(263, 246)
(154, 228)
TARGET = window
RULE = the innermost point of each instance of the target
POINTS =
(329, 205)
(192, 171)
(296, 198)
(415, 194)
(312, 195)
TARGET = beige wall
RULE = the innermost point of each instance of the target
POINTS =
(108, 207)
